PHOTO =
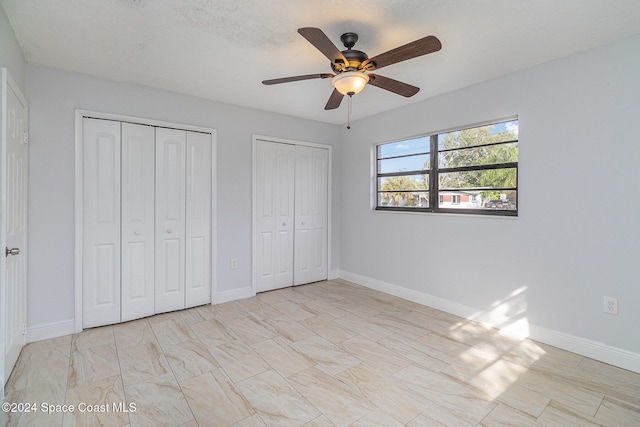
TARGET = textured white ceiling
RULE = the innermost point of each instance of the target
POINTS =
(223, 49)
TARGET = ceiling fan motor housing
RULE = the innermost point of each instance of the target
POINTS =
(355, 57)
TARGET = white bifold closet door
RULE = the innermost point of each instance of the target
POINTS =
(146, 220)
(310, 255)
(198, 220)
(275, 173)
(171, 146)
(138, 213)
(101, 223)
(183, 225)
(291, 215)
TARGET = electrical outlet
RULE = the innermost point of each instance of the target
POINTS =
(610, 305)
(234, 263)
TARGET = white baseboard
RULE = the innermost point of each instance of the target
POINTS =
(50, 330)
(232, 295)
(58, 329)
(593, 349)
(333, 274)
(585, 347)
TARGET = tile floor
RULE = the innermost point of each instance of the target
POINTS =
(325, 354)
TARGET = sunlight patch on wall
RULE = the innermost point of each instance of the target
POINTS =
(507, 314)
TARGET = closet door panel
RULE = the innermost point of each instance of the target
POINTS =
(138, 231)
(274, 215)
(310, 256)
(101, 223)
(198, 219)
(319, 215)
(285, 220)
(265, 215)
(170, 220)
(302, 268)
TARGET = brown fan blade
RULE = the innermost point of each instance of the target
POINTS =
(334, 100)
(296, 78)
(392, 85)
(319, 39)
(411, 50)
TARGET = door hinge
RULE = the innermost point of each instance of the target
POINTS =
(24, 329)
(25, 137)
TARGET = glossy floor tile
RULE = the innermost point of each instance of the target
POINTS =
(325, 354)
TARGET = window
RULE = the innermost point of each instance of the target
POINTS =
(472, 170)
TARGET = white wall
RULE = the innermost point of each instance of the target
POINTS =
(10, 53)
(53, 97)
(577, 237)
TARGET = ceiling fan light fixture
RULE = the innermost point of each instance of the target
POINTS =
(350, 82)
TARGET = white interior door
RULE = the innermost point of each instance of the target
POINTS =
(198, 219)
(14, 218)
(138, 211)
(170, 219)
(274, 212)
(102, 222)
(311, 215)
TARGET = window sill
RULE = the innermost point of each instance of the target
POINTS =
(447, 213)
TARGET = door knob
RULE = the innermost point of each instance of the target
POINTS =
(169, 230)
(12, 251)
(137, 233)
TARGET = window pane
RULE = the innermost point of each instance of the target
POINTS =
(505, 131)
(503, 153)
(402, 164)
(404, 200)
(476, 199)
(482, 179)
(403, 183)
(460, 199)
(403, 148)
(499, 201)
(404, 191)
(498, 132)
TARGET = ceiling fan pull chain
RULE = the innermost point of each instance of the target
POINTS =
(349, 112)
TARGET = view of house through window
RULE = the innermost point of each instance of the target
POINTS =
(473, 170)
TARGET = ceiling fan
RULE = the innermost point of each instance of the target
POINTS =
(351, 67)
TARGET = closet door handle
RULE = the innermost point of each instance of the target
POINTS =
(169, 231)
(137, 233)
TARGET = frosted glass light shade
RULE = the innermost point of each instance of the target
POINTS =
(350, 83)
